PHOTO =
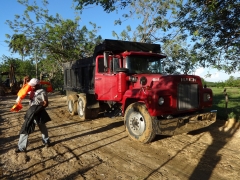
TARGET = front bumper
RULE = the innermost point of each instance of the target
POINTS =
(185, 124)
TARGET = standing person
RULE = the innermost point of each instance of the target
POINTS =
(36, 114)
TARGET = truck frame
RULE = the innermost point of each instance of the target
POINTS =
(126, 79)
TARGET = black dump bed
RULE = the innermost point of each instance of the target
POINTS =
(117, 46)
(79, 75)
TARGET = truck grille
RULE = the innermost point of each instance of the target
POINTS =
(187, 96)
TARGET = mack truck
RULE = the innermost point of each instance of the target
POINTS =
(126, 79)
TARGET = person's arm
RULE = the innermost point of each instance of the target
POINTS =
(45, 99)
(23, 92)
(45, 103)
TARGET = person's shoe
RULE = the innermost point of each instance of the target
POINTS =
(17, 150)
(47, 144)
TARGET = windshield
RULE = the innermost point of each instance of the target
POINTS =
(144, 64)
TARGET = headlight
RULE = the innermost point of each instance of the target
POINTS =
(143, 80)
(207, 97)
(160, 101)
(133, 79)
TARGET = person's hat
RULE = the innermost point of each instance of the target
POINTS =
(33, 82)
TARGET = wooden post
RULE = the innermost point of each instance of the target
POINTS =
(226, 99)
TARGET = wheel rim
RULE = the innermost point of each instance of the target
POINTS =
(70, 106)
(80, 108)
(136, 123)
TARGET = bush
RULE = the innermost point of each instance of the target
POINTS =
(232, 115)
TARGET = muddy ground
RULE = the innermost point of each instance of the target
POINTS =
(101, 149)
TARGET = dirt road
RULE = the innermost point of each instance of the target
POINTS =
(101, 149)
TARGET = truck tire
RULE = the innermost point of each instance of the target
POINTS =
(82, 107)
(82, 110)
(72, 104)
(139, 124)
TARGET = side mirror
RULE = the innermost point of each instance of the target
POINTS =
(106, 55)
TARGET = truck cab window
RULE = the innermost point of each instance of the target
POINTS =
(101, 65)
(115, 64)
(144, 64)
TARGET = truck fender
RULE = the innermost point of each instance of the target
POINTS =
(129, 99)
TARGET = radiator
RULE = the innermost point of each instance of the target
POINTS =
(188, 97)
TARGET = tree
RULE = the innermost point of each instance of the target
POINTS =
(156, 26)
(230, 82)
(22, 68)
(65, 41)
(20, 44)
(108, 5)
(52, 38)
(215, 30)
(212, 26)
(158, 18)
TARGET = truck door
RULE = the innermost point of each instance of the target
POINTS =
(106, 82)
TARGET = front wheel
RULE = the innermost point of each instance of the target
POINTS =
(139, 124)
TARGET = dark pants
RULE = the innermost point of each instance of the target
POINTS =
(22, 143)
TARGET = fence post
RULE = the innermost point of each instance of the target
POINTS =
(226, 98)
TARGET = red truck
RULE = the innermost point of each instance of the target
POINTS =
(126, 79)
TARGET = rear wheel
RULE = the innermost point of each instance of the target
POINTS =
(72, 104)
(82, 107)
(83, 111)
(139, 124)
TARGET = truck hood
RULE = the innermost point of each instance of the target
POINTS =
(159, 80)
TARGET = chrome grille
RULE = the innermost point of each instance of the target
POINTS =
(187, 96)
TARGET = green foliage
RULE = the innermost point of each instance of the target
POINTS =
(19, 43)
(211, 26)
(108, 5)
(48, 40)
(22, 68)
(217, 25)
(232, 115)
(65, 41)
(231, 82)
(158, 18)
(219, 103)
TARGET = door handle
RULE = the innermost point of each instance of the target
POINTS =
(98, 79)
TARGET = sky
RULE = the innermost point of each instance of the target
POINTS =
(94, 14)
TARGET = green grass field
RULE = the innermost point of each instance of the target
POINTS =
(233, 104)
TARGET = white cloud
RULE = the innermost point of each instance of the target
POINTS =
(211, 75)
(199, 71)
(215, 77)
